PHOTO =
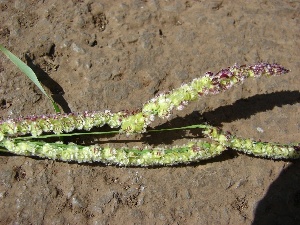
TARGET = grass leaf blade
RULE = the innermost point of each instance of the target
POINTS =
(29, 73)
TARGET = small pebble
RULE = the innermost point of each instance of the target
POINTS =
(77, 48)
(259, 129)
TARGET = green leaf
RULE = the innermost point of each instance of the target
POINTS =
(29, 73)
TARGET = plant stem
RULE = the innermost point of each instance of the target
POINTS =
(108, 132)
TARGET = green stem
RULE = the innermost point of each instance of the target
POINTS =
(65, 135)
(202, 126)
(195, 126)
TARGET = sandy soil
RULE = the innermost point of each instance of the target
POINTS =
(118, 54)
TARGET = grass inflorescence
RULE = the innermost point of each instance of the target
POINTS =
(28, 135)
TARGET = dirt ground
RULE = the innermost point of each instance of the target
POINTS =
(97, 55)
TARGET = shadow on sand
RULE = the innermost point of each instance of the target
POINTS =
(281, 204)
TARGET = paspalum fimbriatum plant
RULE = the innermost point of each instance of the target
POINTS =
(28, 135)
